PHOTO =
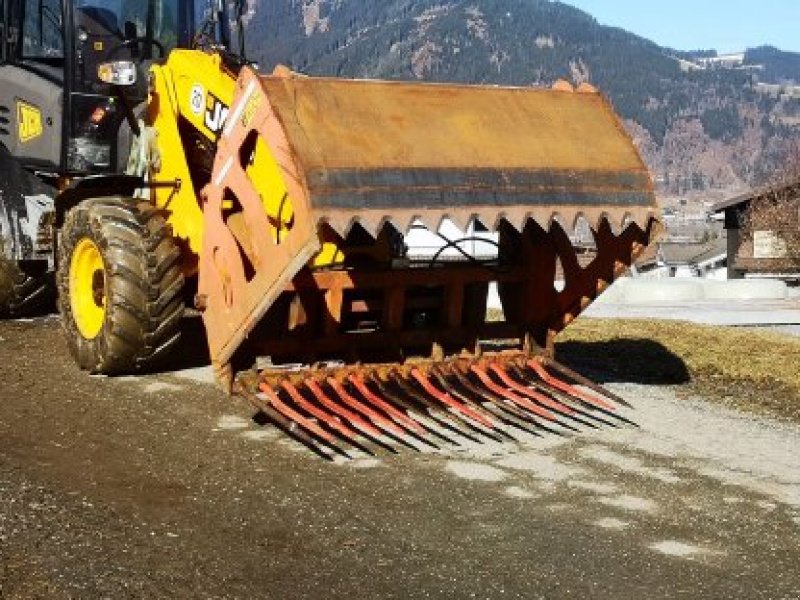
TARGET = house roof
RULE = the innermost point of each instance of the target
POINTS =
(673, 253)
(747, 198)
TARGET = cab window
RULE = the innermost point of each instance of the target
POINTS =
(128, 19)
(42, 30)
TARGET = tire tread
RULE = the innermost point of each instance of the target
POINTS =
(144, 285)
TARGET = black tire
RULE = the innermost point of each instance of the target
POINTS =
(142, 283)
(24, 291)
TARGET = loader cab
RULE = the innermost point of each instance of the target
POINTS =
(58, 114)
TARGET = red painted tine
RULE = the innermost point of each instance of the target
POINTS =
(540, 398)
(500, 391)
(374, 416)
(398, 416)
(449, 400)
(355, 420)
(567, 388)
(295, 416)
(332, 421)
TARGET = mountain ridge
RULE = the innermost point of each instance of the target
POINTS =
(712, 129)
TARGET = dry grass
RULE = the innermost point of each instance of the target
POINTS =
(751, 369)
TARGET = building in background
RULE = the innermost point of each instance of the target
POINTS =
(764, 233)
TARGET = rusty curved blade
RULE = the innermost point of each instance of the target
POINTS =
(576, 406)
(504, 403)
(448, 400)
(490, 407)
(567, 388)
(553, 403)
(354, 419)
(502, 409)
(454, 421)
(526, 391)
(399, 417)
(492, 399)
(500, 391)
(423, 420)
(584, 381)
(292, 429)
(373, 415)
(295, 416)
(395, 432)
(329, 419)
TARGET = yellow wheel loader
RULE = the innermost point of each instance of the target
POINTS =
(289, 204)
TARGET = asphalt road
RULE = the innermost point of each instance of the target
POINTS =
(160, 486)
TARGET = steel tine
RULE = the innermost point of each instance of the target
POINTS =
(451, 421)
(354, 419)
(587, 410)
(519, 400)
(329, 419)
(414, 429)
(565, 387)
(448, 420)
(423, 420)
(618, 417)
(332, 421)
(484, 378)
(546, 402)
(595, 403)
(294, 416)
(581, 408)
(450, 388)
(585, 381)
(392, 431)
(289, 427)
(555, 403)
(290, 413)
(491, 399)
(501, 408)
(456, 408)
(578, 406)
(505, 404)
(398, 416)
(373, 415)
(449, 401)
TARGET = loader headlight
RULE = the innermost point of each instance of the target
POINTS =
(119, 72)
(87, 154)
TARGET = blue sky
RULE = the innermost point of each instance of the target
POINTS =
(725, 25)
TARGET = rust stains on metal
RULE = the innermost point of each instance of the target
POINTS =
(461, 398)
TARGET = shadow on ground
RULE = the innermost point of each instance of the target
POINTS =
(624, 361)
(192, 349)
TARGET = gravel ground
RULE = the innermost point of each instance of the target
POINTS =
(159, 486)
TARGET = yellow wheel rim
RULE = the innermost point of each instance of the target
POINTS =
(87, 288)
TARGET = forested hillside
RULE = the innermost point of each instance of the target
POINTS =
(700, 129)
